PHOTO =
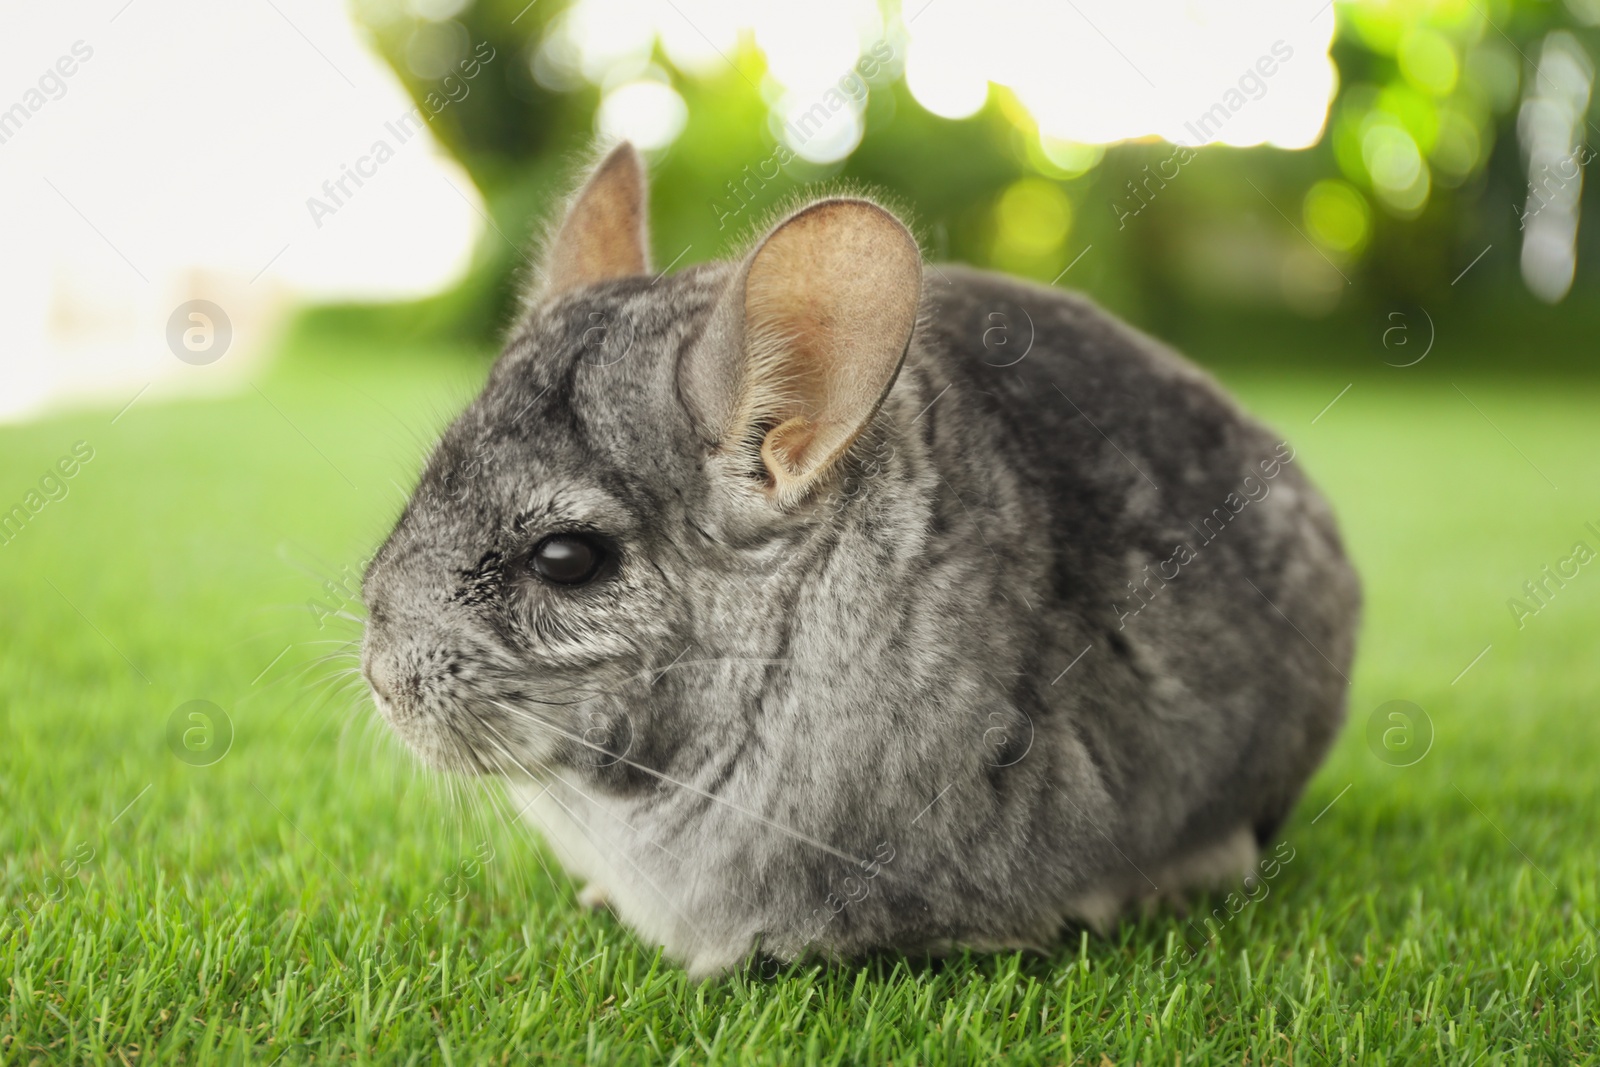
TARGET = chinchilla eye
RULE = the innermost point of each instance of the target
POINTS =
(567, 559)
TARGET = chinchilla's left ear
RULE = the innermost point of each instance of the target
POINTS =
(605, 233)
(806, 343)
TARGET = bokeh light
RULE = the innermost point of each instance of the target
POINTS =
(1337, 216)
(1392, 159)
(648, 112)
(1095, 72)
(1032, 219)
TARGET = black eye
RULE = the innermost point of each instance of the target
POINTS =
(567, 559)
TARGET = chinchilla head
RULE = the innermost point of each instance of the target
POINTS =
(596, 570)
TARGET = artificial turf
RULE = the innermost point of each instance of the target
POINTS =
(310, 896)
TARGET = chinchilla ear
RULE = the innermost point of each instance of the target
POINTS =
(806, 342)
(605, 233)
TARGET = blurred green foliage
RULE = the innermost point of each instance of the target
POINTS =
(1418, 170)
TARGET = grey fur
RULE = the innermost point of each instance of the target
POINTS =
(845, 726)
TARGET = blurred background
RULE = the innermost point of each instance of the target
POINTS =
(1262, 181)
(254, 256)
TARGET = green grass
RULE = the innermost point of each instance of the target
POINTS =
(256, 910)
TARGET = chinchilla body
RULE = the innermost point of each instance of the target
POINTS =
(926, 610)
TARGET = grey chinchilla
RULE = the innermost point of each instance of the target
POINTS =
(814, 604)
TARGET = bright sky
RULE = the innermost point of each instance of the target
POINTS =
(1089, 71)
(177, 159)
(175, 162)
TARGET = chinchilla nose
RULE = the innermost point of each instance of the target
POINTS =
(395, 678)
(376, 678)
(383, 670)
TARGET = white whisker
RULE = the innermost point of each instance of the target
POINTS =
(599, 851)
(796, 834)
